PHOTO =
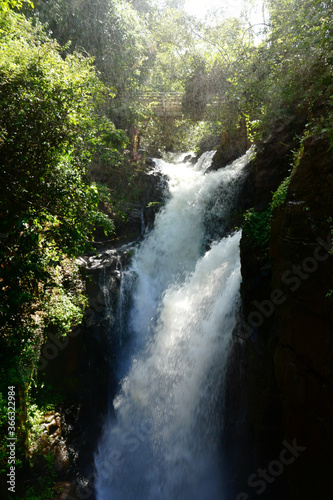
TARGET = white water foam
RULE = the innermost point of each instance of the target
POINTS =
(162, 443)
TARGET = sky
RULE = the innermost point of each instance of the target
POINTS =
(233, 8)
(199, 7)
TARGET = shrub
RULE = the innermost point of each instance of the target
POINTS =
(257, 228)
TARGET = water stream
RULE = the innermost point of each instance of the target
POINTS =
(161, 442)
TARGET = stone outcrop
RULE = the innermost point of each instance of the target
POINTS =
(231, 147)
(139, 193)
(302, 269)
(288, 354)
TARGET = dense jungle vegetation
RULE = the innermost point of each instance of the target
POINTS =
(72, 77)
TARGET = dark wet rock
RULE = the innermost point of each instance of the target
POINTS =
(289, 354)
(303, 269)
(230, 148)
(150, 162)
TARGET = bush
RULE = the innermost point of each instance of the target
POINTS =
(256, 229)
(279, 197)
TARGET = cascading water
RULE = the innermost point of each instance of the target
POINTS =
(162, 440)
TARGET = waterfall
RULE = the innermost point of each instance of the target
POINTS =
(162, 440)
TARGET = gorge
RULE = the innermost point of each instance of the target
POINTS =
(194, 388)
(248, 383)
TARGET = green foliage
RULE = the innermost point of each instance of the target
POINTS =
(225, 71)
(46, 485)
(46, 489)
(6, 5)
(279, 197)
(63, 303)
(154, 204)
(109, 30)
(257, 225)
(45, 399)
(256, 229)
(34, 420)
(51, 126)
(286, 71)
(175, 46)
(48, 208)
(290, 71)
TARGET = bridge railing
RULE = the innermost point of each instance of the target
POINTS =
(166, 105)
(163, 104)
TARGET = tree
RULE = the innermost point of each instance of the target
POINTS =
(290, 71)
(49, 129)
(111, 31)
(6, 5)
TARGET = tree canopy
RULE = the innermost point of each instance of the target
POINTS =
(50, 126)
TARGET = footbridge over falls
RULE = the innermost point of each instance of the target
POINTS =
(164, 105)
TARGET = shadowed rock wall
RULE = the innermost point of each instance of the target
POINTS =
(287, 354)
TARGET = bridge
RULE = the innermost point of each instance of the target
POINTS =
(164, 105)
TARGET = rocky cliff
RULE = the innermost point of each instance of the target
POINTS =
(302, 269)
(286, 345)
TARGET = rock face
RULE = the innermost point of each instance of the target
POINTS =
(231, 147)
(288, 351)
(84, 373)
(141, 198)
(303, 269)
(141, 213)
